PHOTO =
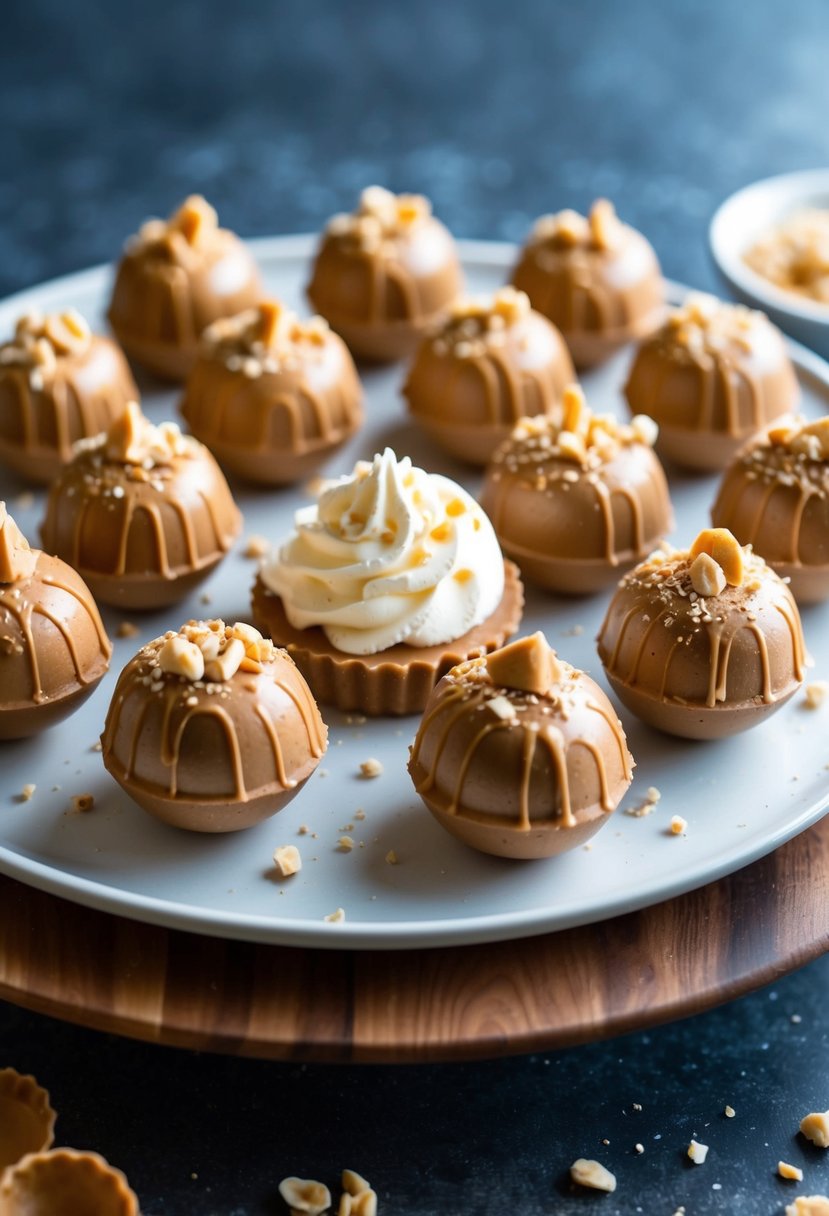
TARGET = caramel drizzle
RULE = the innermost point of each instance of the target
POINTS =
(96, 410)
(382, 271)
(510, 394)
(173, 730)
(23, 613)
(587, 305)
(533, 734)
(721, 636)
(715, 368)
(726, 504)
(333, 412)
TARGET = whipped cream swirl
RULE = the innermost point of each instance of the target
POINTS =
(389, 554)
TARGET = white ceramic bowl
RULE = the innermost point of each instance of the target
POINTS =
(747, 215)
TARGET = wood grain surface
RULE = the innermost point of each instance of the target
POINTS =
(669, 961)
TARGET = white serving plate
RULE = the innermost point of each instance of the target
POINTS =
(746, 216)
(742, 797)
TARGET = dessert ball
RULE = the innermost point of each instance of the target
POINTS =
(492, 362)
(596, 278)
(176, 277)
(577, 501)
(703, 642)
(58, 383)
(53, 647)
(384, 274)
(774, 496)
(390, 579)
(212, 728)
(142, 512)
(519, 754)
(272, 396)
(712, 376)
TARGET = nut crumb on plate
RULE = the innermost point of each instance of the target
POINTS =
(287, 860)
(678, 826)
(27, 792)
(83, 802)
(345, 844)
(815, 693)
(256, 546)
(593, 1174)
(391, 858)
(335, 918)
(127, 630)
(371, 768)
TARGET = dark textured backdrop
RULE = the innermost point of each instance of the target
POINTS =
(499, 110)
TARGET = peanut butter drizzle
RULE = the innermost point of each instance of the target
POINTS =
(716, 366)
(173, 730)
(504, 387)
(95, 411)
(721, 636)
(460, 699)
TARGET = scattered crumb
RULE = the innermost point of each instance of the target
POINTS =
(391, 858)
(796, 1019)
(587, 847)
(814, 694)
(592, 1174)
(305, 1195)
(256, 546)
(360, 814)
(335, 918)
(345, 844)
(729, 1112)
(815, 1127)
(97, 747)
(789, 1171)
(127, 630)
(639, 1148)
(697, 1152)
(194, 1177)
(27, 793)
(55, 789)
(371, 768)
(646, 806)
(303, 829)
(637, 1106)
(24, 501)
(83, 802)
(605, 1141)
(206, 598)
(808, 1205)
(287, 860)
(679, 826)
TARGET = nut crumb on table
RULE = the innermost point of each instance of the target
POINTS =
(789, 1171)
(809, 1205)
(697, 1152)
(335, 918)
(27, 793)
(815, 1127)
(371, 768)
(592, 1174)
(83, 802)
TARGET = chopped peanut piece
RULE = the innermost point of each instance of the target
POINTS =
(181, 658)
(354, 1183)
(726, 551)
(227, 662)
(789, 1171)
(815, 1127)
(528, 665)
(603, 224)
(808, 1205)
(304, 1195)
(678, 825)
(729, 1112)
(371, 768)
(256, 546)
(593, 1174)
(572, 446)
(345, 844)
(127, 629)
(707, 577)
(335, 918)
(287, 860)
(815, 693)
(576, 414)
(27, 793)
(83, 802)
(697, 1152)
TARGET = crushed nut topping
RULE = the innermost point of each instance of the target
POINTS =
(477, 323)
(707, 577)
(265, 340)
(133, 439)
(726, 551)
(815, 1127)
(600, 230)
(380, 217)
(704, 325)
(209, 650)
(40, 341)
(794, 255)
(581, 437)
(287, 860)
(17, 558)
(593, 1174)
(177, 238)
(801, 437)
(305, 1195)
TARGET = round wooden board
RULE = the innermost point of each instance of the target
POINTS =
(668, 961)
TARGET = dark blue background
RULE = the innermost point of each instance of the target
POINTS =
(499, 110)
